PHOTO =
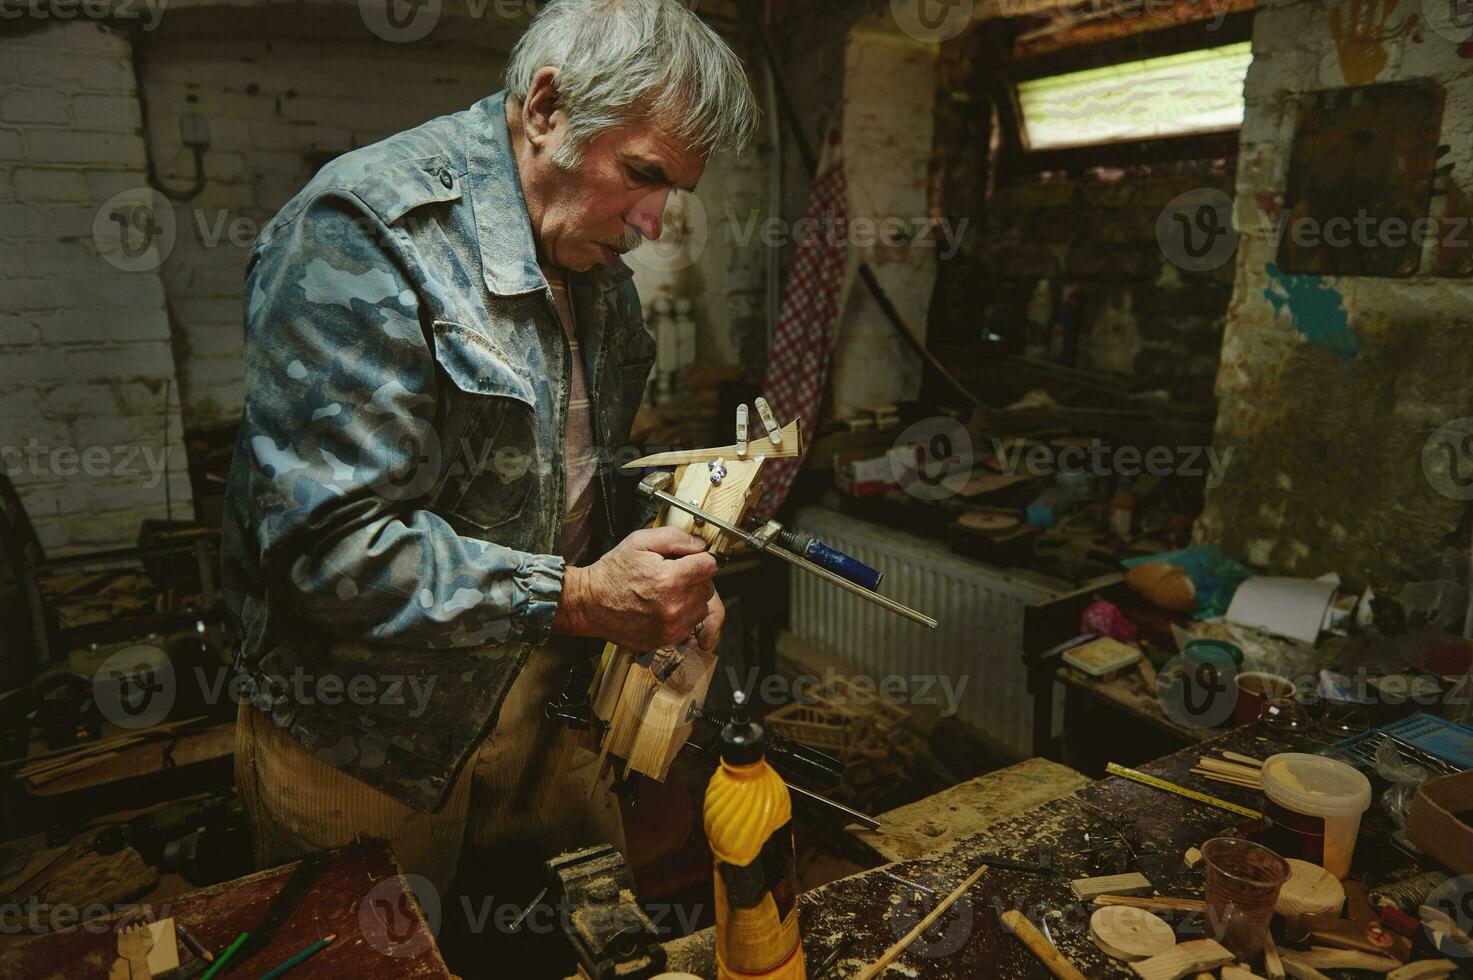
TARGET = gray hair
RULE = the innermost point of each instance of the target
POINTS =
(620, 61)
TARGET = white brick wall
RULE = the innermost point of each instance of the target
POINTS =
(273, 99)
(84, 347)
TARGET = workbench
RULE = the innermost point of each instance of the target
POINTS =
(361, 896)
(869, 912)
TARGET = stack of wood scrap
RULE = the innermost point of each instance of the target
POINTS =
(1232, 769)
(37, 771)
(876, 740)
(1326, 925)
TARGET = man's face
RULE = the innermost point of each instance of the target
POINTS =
(614, 198)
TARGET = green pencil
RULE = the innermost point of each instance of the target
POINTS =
(220, 960)
(310, 951)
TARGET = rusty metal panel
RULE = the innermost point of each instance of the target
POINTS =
(1360, 180)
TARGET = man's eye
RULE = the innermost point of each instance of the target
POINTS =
(641, 176)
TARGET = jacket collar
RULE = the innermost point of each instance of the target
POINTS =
(508, 250)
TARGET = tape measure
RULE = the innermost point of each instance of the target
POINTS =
(1136, 776)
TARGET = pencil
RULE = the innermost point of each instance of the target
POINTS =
(307, 953)
(193, 944)
(220, 960)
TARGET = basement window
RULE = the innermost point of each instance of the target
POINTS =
(1173, 95)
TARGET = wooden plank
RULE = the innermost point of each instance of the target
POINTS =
(1087, 889)
(791, 448)
(934, 823)
(1187, 958)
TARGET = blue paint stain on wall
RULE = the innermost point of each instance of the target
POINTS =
(1316, 309)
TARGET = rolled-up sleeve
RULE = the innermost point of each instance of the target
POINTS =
(339, 428)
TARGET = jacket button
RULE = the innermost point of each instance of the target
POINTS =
(446, 179)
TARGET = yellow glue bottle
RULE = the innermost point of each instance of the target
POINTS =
(749, 824)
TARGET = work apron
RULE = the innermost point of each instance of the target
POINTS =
(526, 795)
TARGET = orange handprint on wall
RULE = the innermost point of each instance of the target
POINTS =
(1361, 29)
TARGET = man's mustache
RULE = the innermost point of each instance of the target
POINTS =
(633, 238)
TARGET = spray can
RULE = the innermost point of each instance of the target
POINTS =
(749, 824)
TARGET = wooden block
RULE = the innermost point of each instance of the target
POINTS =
(792, 447)
(1310, 890)
(1298, 969)
(1192, 957)
(1134, 883)
(1342, 959)
(1193, 857)
(1130, 934)
(1234, 972)
(165, 952)
(1423, 970)
(1272, 964)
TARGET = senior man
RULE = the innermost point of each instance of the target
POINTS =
(420, 540)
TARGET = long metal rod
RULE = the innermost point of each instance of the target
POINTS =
(855, 815)
(896, 607)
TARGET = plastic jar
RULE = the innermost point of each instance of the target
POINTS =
(1314, 808)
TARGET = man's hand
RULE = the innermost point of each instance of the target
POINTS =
(651, 591)
(709, 632)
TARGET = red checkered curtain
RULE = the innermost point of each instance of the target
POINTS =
(798, 367)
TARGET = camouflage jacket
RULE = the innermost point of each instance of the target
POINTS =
(397, 490)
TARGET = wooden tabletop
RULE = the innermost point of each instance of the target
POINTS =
(869, 912)
(360, 896)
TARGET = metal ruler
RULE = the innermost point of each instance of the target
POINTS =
(1135, 775)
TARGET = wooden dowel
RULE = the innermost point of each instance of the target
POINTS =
(1229, 780)
(1229, 767)
(1246, 760)
(1161, 904)
(1017, 923)
(41, 779)
(888, 957)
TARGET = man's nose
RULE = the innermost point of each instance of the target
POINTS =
(649, 215)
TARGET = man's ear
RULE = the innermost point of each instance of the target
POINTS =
(539, 106)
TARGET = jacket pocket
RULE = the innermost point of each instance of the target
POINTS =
(491, 419)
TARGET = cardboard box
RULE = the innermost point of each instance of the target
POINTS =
(1433, 824)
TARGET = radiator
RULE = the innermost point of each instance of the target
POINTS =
(980, 610)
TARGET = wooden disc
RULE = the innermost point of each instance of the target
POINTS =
(1130, 934)
(988, 522)
(1310, 890)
